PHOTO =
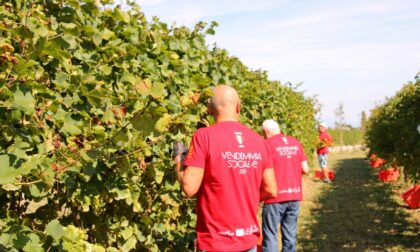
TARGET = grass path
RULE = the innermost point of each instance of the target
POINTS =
(356, 212)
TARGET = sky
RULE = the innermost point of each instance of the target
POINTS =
(352, 52)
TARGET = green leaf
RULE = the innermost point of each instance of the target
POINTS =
(140, 236)
(122, 15)
(158, 90)
(55, 229)
(70, 126)
(98, 248)
(61, 80)
(144, 123)
(99, 131)
(128, 77)
(11, 187)
(23, 67)
(159, 176)
(89, 155)
(202, 81)
(8, 173)
(108, 117)
(130, 244)
(68, 26)
(163, 123)
(21, 240)
(23, 99)
(107, 34)
(41, 31)
(146, 220)
(7, 240)
(127, 233)
(70, 40)
(38, 190)
(107, 70)
(122, 194)
(34, 244)
(121, 138)
(88, 78)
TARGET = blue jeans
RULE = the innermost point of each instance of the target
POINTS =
(286, 214)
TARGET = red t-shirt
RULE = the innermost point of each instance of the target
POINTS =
(288, 156)
(324, 136)
(234, 158)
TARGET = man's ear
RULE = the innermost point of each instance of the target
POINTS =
(238, 107)
(210, 109)
(266, 133)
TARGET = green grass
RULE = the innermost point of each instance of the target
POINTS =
(356, 212)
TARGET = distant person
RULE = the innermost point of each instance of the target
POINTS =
(325, 141)
(289, 164)
(230, 169)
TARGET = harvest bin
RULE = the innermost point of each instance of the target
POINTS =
(319, 174)
(389, 175)
(412, 197)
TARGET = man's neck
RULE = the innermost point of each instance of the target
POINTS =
(222, 118)
(272, 135)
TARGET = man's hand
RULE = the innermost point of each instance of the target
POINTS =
(179, 153)
(190, 178)
(269, 185)
(180, 149)
(305, 167)
(178, 167)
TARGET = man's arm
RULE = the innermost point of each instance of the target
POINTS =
(190, 178)
(269, 185)
(305, 167)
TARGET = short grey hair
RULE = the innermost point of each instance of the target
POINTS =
(271, 126)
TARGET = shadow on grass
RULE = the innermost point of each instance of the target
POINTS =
(357, 213)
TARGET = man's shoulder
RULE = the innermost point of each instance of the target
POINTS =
(226, 127)
(202, 131)
(283, 140)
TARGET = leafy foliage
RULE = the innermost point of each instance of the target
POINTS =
(392, 129)
(351, 136)
(91, 99)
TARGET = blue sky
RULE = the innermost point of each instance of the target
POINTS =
(353, 52)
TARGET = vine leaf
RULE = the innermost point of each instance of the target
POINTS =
(24, 100)
(55, 229)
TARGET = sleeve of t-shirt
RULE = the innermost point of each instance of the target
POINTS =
(197, 152)
(270, 155)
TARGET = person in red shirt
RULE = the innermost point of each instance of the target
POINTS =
(229, 169)
(289, 164)
(325, 141)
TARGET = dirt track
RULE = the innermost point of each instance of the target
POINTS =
(356, 212)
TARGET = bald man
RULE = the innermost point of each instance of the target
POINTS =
(229, 169)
